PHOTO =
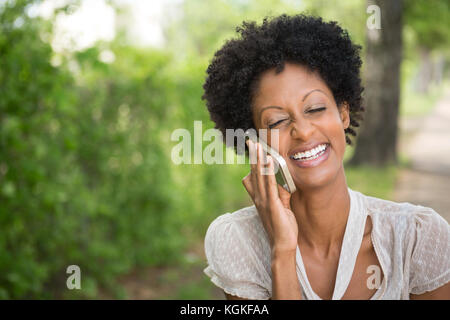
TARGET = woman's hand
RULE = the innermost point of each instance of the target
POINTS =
(272, 202)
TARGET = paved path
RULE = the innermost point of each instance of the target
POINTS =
(426, 142)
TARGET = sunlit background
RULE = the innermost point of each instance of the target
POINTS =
(90, 92)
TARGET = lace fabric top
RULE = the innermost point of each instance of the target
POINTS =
(412, 244)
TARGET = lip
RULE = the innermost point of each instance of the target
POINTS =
(314, 162)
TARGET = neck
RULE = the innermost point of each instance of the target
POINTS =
(321, 215)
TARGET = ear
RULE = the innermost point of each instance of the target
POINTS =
(344, 113)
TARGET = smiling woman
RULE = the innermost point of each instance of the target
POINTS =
(300, 76)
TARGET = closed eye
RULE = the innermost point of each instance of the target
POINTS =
(310, 111)
(316, 110)
(276, 123)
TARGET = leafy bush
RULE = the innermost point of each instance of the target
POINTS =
(85, 170)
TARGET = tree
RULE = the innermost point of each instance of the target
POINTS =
(377, 137)
(428, 21)
(196, 27)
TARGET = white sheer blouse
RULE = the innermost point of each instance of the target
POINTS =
(410, 241)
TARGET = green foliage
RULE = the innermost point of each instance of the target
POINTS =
(30, 154)
(374, 182)
(85, 169)
(351, 15)
(203, 26)
(429, 21)
(84, 176)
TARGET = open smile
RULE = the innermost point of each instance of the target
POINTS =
(311, 158)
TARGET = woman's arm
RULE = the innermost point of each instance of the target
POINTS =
(274, 209)
(285, 284)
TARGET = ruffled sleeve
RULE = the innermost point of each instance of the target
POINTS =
(232, 264)
(430, 260)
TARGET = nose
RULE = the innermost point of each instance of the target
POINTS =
(301, 129)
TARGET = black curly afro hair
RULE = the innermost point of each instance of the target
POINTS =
(320, 46)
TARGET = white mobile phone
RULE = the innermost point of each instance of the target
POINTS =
(282, 174)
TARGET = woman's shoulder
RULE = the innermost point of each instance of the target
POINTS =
(238, 254)
(397, 212)
(418, 235)
(245, 219)
(245, 213)
(399, 219)
(241, 229)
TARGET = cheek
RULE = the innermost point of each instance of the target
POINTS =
(337, 139)
(284, 141)
(278, 141)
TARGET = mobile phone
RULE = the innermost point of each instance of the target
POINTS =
(282, 174)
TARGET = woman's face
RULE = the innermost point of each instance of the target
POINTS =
(301, 106)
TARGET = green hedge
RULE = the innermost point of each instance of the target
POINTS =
(85, 171)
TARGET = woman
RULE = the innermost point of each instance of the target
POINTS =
(300, 75)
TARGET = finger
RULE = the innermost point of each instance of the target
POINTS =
(285, 197)
(252, 158)
(252, 154)
(271, 183)
(260, 172)
(249, 187)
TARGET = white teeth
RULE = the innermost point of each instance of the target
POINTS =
(310, 154)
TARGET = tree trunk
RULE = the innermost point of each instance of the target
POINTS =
(377, 137)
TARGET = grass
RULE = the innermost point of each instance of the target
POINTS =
(372, 181)
(190, 283)
(195, 290)
(375, 182)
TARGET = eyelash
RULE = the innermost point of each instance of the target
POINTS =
(310, 111)
(274, 124)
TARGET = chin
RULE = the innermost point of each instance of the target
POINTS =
(315, 178)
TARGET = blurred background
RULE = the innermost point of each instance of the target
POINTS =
(90, 92)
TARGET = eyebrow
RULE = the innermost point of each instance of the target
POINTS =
(280, 108)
